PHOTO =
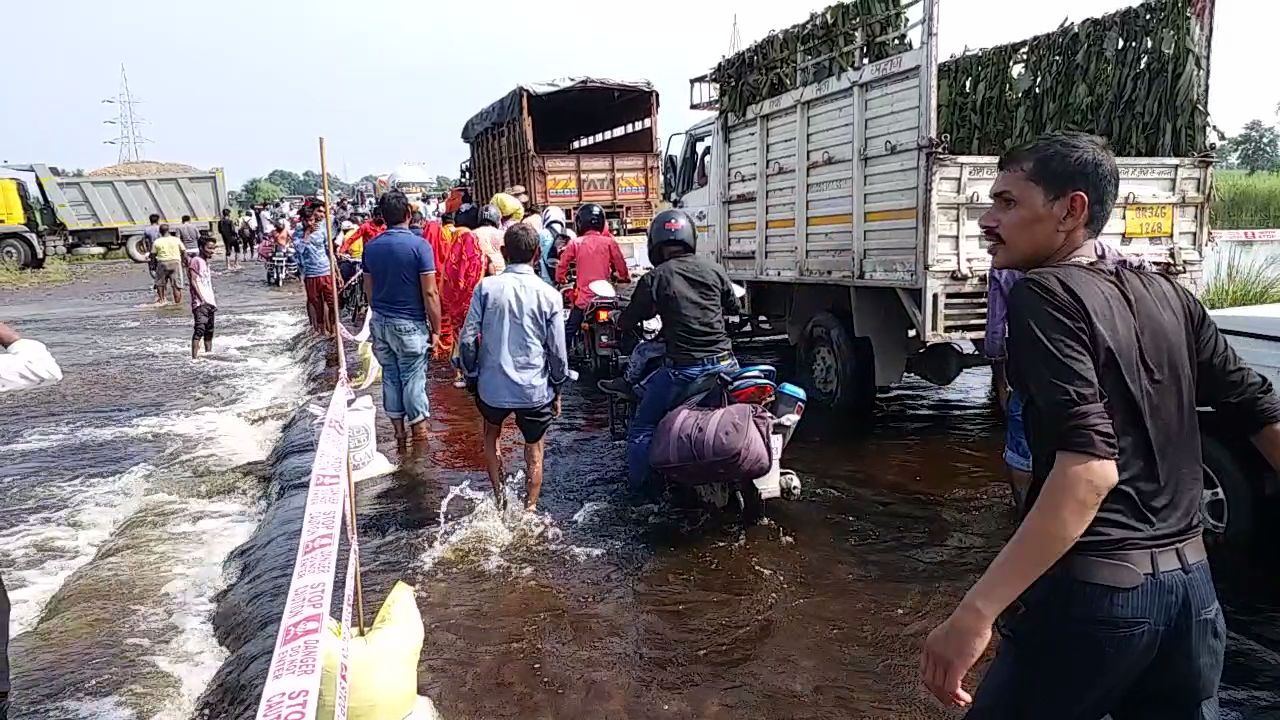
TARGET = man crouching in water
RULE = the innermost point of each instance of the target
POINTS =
(692, 296)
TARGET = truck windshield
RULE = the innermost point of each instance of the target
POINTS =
(695, 164)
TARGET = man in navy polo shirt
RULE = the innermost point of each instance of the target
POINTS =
(400, 280)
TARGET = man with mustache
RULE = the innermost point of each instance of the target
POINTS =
(1104, 593)
(1017, 454)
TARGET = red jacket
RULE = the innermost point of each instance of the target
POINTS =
(598, 257)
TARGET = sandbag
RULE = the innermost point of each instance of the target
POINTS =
(370, 368)
(382, 666)
(694, 446)
(362, 441)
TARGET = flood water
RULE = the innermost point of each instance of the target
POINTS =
(152, 508)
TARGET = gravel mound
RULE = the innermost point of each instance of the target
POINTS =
(146, 167)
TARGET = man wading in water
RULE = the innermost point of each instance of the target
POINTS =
(203, 306)
(1104, 596)
(169, 254)
(400, 282)
(513, 351)
(23, 364)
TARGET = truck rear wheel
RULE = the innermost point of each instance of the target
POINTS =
(137, 248)
(838, 368)
(1228, 505)
(14, 249)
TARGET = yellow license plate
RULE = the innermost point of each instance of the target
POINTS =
(1147, 221)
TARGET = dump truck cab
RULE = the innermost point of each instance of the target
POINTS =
(20, 224)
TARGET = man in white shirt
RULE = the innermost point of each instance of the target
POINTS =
(23, 364)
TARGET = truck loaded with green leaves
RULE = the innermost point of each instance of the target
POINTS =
(843, 174)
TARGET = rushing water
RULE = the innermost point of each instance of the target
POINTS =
(136, 478)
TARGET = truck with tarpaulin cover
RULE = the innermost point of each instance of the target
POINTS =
(568, 142)
(843, 175)
(44, 215)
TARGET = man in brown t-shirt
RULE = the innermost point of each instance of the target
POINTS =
(1104, 593)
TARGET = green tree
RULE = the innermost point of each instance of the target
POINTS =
(1257, 147)
(288, 181)
(258, 191)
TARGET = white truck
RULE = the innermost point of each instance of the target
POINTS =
(1241, 490)
(839, 208)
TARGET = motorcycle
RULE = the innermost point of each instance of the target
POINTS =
(756, 384)
(351, 293)
(599, 337)
(283, 265)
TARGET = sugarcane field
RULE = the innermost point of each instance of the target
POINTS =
(858, 359)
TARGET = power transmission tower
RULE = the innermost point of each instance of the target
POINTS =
(735, 40)
(129, 139)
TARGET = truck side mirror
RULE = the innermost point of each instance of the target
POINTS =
(670, 169)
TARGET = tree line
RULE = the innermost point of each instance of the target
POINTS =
(1256, 149)
(279, 183)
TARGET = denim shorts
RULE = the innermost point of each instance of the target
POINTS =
(1017, 454)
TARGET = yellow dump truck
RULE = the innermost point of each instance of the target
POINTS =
(42, 214)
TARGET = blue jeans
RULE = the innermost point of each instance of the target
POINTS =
(1075, 650)
(1017, 453)
(641, 363)
(573, 327)
(402, 347)
(662, 389)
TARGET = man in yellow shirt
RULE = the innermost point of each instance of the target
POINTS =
(169, 253)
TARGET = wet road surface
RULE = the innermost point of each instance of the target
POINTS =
(593, 608)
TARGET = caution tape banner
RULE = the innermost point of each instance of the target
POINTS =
(292, 690)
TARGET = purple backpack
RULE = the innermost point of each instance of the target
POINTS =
(697, 445)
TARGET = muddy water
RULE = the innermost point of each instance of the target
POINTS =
(593, 608)
(126, 486)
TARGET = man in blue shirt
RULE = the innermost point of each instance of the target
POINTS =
(400, 281)
(310, 242)
(513, 352)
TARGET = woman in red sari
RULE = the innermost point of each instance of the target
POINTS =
(465, 264)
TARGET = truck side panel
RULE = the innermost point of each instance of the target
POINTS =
(91, 203)
(823, 184)
(1176, 188)
(500, 158)
(890, 225)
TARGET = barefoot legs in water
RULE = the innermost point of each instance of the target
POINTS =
(533, 474)
(493, 462)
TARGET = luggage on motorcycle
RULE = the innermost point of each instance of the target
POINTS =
(696, 445)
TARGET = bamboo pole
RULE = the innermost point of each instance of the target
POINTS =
(352, 535)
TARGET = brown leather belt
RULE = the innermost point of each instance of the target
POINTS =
(1128, 569)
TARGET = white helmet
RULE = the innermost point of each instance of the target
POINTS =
(552, 214)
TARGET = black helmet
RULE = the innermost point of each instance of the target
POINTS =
(589, 217)
(671, 227)
(467, 216)
(490, 215)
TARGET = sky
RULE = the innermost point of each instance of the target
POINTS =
(249, 85)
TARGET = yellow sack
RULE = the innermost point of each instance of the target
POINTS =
(508, 207)
(383, 664)
(370, 369)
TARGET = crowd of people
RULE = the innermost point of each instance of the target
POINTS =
(1103, 595)
(473, 288)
